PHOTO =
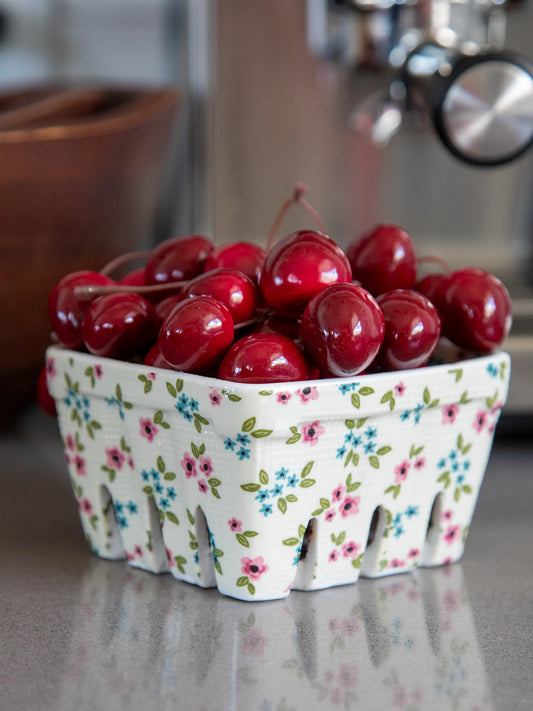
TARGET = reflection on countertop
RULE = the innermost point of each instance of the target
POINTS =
(402, 642)
(78, 632)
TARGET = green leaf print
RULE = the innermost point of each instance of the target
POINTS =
(263, 477)
(248, 425)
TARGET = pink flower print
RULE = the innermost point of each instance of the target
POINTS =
(115, 458)
(254, 642)
(480, 421)
(203, 486)
(399, 389)
(350, 506)
(86, 506)
(350, 625)
(447, 561)
(334, 556)
(350, 549)
(447, 515)
(148, 428)
(170, 560)
(330, 515)
(449, 414)
(51, 370)
(307, 393)
(419, 462)
(206, 466)
(98, 372)
(138, 551)
(401, 471)
(130, 462)
(451, 534)
(215, 397)
(79, 465)
(70, 442)
(235, 525)
(333, 625)
(399, 696)
(283, 397)
(413, 554)
(338, 493)
(254, 568)
(188, 465)
(397, 563)
(347, 675)
(151, 376)
(312, 432)
(130, 556)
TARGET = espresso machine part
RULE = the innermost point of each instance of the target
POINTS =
(446, 65)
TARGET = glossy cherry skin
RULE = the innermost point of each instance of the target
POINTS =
(264, 358)
(383, 260)
(476, 310)
(248, 258)
(66, 310)
(342, 329)
(196, 334)
(154, 358)
(298, 267)
(177, 259)
(230, 286)
(272, 323)
(45, 401)
(412, 330)
(119, 326)
(433, 287)
(134, 278)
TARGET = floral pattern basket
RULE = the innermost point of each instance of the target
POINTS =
(262, 489)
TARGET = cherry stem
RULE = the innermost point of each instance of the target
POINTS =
(87, 290)
(119, 261)
(430, 258)
(297, 198)
(259, 316)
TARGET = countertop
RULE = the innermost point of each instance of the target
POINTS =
(78, 632)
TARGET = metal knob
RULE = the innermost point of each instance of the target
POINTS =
(484, 110)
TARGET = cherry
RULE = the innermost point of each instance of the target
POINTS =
(342, 329)
(196, 334)
(177, 259)
(248, 258)
(433, 287)
(264, 358)
(298, 267)
(163, 307)
(66, 309)
(231, 287)
(476, 310)
(119, 325)
(272, 323)
(44, 399)
(154, 358)
(134, 278)
(412, 330)
(383, 260)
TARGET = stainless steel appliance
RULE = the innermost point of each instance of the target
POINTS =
(418, 112)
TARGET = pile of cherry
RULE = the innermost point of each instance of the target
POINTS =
(301, 309)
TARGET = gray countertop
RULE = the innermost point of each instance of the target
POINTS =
(77, 632)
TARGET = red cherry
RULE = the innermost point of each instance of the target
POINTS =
(412, 330)
(154, 358)
(177, 259)
(230, 286)
(66, 309)
(383, 260)
(134, 278)
(44, 399)
(248, 258)
(433, 287)
(298, 267)
(165, 306)
(196, 334)
(119, 325)
(264, 358)
(476, 310)
(342, 329)
(272, 323)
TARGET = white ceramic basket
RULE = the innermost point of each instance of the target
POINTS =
(220, 483)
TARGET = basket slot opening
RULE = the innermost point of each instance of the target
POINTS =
(433, 530)
(114, 547)
(306, 557)
(206, 550)
(154, 535)
(376, 530)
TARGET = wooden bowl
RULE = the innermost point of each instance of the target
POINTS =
(80, 176)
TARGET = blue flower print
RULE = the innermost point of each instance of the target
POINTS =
(266, 510)
(411, 511)
(164, 503)
(229, 444)
(347, 387)
(292, 481)
(171, 493)
(341, 451)
(281, 475)
(242, 438)
(243, 453)
(277, 490)
(492, 370)
(186, 406)
(132, 507)
(262, 494)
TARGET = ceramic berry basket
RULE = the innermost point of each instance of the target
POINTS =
(218, 483)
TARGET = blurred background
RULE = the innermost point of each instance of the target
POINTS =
(123, 122)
